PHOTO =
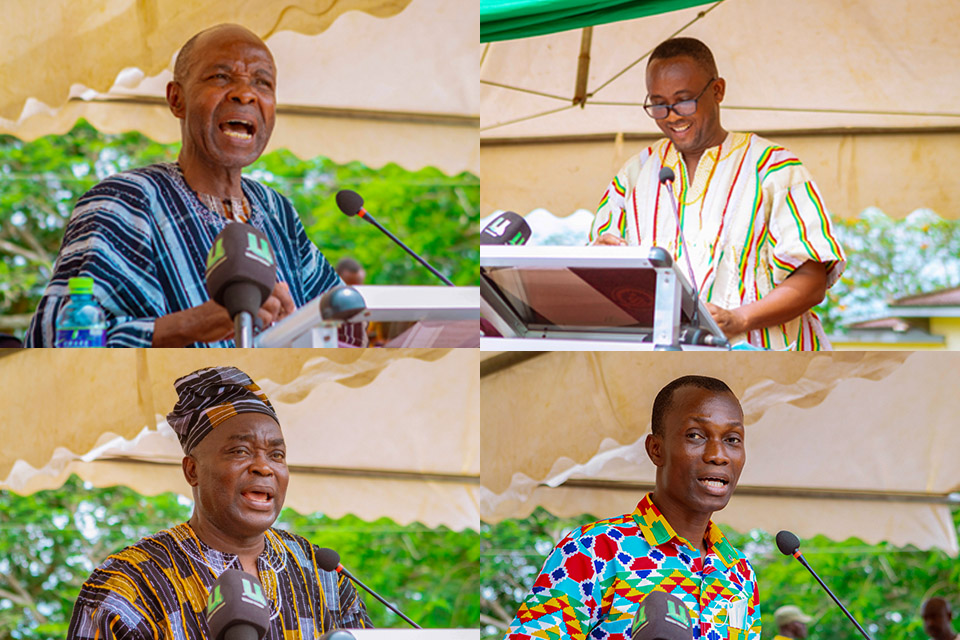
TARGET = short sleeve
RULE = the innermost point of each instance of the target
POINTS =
(108, 609)
(562, 602)
(800, 227)
(108, 239)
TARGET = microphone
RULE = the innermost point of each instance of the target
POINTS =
(241, 272)
(351, 204)
(662, 617)
(506, 228)
(236, 607)
(789, 545)
(338, 634)
(666, 178)
(329, 560)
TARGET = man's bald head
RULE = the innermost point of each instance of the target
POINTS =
(187, 55)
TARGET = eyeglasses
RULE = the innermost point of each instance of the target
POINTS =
(682, 108)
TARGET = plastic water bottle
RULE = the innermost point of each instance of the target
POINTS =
(81, 322)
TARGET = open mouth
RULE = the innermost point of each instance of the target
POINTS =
(238, 129)
(680, 128)
(713, 482)
(258, 496)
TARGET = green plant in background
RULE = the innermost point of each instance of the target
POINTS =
(883, 586)
(50, 542)
(889, 259)
(437, 215)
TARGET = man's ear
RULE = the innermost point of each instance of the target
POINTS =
(654, 446)
(175, 99)
(190, 470)
(719, 89)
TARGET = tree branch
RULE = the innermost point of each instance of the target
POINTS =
(9, 247)
(503, 626)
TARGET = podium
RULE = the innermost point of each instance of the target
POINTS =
(420, 316)
(591, 298)
(415, 634)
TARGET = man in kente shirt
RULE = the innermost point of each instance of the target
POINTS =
(235, 460)
(593, 582)
(759, 237)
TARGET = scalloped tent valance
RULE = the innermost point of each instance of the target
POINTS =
(382, 432)
(844, 444)
(371, 80)
(864, 92)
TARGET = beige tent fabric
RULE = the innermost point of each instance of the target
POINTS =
(847, 430)
(892, 171)
(49, 46)
(376, 432)
(843, 71)
(390, 83)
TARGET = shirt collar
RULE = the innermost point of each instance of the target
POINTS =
(657, 531)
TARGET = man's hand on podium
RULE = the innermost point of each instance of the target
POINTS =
(210, 321)
(610, 239)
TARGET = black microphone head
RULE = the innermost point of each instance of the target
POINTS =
(236, 600)
(349, 202)
(241, 268)
(341, 303)
(666, 175)
(506, 228)
(662, 616)
(788, 543)
(328, 559)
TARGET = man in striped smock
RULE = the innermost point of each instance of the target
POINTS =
(143, 235)
(759, 236)
(235, 462)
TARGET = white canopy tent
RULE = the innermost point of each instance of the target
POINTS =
(378, 432)
(864, 92)
(371, 80)
(844, 444)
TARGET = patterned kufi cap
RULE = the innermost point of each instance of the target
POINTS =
(210, 396)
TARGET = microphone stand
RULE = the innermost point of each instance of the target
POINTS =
(369, 218)
(376, 595)
(243, 329)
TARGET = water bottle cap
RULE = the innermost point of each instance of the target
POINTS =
(80, 286)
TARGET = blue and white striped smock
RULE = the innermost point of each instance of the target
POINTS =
(143, 236)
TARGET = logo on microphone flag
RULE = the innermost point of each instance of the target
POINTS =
(253, 593)
(215, 600)
(216, 253)
(259, 251)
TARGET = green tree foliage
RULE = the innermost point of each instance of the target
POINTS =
(435, 214)
(883, 586)
(50, 542)
(889, 259)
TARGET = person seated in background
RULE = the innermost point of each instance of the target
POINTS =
(791, 622)
(759, 237)
(350, 271)
(938, 620)
(235, 461)
(143, 235)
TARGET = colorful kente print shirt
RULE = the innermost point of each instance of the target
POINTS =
(143, 236)
(592, 583)
(158, 588)
(751, 215)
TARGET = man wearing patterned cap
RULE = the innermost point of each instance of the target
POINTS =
(594, 581)
(235, 461)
